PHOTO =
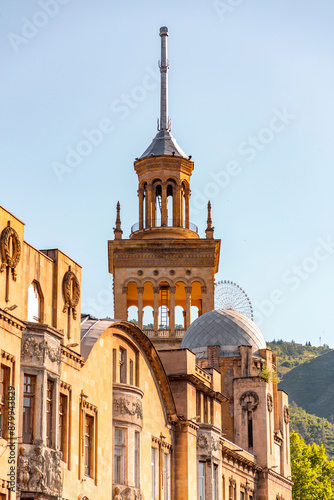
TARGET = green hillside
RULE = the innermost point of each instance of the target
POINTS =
(312, 429)
(290, 354)
(311, 385)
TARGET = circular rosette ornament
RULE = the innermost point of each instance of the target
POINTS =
(71, 290)
(10, 250)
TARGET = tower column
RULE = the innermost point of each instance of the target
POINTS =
(123, 313)
(141, 207)
(164, 204)
(176, 205)
(186, 200)
(149, 203)
(156, 309)
(172, 291)
(140, 290)
(188, 306)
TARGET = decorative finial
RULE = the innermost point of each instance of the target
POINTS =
(164, 66)
(117, 230)
(209, 229)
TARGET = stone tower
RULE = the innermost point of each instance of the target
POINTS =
(164, 264)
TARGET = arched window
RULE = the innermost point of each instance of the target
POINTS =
(170, 215)
(158, 206)
(34, 302)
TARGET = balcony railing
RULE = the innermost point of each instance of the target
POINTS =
(170, 223)
(164, 333)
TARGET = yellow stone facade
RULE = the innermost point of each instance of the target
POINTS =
(103, 409)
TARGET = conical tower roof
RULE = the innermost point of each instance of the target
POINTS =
(164, 143)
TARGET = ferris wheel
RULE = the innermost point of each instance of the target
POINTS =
(229, 295)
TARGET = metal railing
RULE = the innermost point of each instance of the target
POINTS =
(170, 223)
(164, 333)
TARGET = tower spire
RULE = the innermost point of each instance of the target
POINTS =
(118, 230)
(209, 229)
(164, 67)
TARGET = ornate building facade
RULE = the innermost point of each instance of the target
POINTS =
(98, 409)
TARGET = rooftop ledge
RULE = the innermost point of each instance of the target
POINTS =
(171, 224)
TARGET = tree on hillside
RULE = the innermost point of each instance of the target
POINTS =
(312, 473)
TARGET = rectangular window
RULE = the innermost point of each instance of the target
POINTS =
(198, 405)
(4, 383)
(166, 477)
(154, 473)
(89, 443)
(29, 395)
(201, 480)
(137, 459)
(131, 372)
(122, 365)
(114, 368)
(119, 456)
(49, 413)
(242, 495)
(215, 483)
(63, 418)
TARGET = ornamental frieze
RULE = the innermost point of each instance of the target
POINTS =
(39, 470)
(207, 443)
(123, 406)
(152, 259)
(127, 493)
(33, 349)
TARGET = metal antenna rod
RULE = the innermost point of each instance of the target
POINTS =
(164, 66)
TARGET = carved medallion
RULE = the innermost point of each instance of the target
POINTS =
(202, 441)
(71, 290)
(10, 250)
(249, 397)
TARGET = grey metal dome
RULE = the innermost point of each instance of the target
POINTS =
(226, 328)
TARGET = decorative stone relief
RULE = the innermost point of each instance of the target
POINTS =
(71, 290)
(123, 406)
(10, 254)
(32, 348)
(269, 403)
(39, 470)
(286, 414)
(127, 494)
(202, 441)
(214, 444)
(249, 397)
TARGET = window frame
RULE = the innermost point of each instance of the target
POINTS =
(31, 396)
(154, 473)
(122, 448)
(136, 468)
(5, 383)
(87, 409)
(201, 479)
(89, 448)
(122, 357)
(50, 400)
(64, 432)
(7, 361)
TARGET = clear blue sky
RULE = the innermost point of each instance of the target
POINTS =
(251, 99)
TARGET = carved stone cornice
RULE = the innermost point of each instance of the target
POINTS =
(139, 254)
